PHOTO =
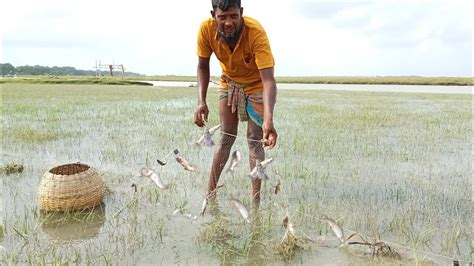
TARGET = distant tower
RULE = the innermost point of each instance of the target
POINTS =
(110, 67)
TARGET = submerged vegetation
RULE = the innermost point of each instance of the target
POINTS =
(395, 168)
(11, 168)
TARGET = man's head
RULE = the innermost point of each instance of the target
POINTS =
(225, 4)
(228, 16)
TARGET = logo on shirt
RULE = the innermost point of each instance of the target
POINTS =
(248, 59)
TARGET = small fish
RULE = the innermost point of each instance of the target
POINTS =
(288, 225)
(134, 186)
(277, 188)
(261, 172)
(213, 130)
(163, 163)
(185, 164)
(204, 206)
(266, 162)
(258, 170)
(289, 232)
(335, 228)
(243, 211)
(289, 229)
(205, 202)
(205, 139)
(154, 177)
(236, 158)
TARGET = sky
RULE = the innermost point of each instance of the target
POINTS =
(307, 37)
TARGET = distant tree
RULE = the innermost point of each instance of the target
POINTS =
(7, 69)
(35, 70)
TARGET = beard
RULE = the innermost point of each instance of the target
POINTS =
(231, 38)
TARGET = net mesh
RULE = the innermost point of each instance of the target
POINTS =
(222, 153)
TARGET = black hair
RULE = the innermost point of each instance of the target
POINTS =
(224, 5)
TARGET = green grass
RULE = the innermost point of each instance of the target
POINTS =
(136, 80)
(395, 80)
(393, 166)
(398, 80)
(71, 80)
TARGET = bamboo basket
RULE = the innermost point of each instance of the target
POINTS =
(70, 187)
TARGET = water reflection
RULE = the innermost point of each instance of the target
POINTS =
(62, 227)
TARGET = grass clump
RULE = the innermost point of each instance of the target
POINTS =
(11, 168)
(288, 247)
(2, 231)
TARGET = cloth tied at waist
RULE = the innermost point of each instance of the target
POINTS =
(236, 98)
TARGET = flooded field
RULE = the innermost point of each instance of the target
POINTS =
(394, 167)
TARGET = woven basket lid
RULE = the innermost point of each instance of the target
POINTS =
(70, 187)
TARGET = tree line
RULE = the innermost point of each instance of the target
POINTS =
(7, 69)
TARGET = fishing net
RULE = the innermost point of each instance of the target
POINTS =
(221, 156)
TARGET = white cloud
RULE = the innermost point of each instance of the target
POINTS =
(307, 37)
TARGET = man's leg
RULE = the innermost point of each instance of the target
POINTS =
(229, 124)
(254, 135)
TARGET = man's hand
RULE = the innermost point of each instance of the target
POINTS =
(269, 135)
(201, 114)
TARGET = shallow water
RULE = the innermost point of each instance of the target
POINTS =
(397, 165)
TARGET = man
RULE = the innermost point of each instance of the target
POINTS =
(248, 88)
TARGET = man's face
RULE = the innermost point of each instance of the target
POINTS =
(229, 23)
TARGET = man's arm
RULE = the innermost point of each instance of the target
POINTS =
(203, 76)
(269, 99)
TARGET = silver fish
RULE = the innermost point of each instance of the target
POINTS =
(154, 177)
(204, 206)
(213, 130)
(243, 211)
(289, 232)
(259, 170)
(205, 139)
(290, 228)
(335, 228)
(185, 164)
(236, 158)
(205, 202)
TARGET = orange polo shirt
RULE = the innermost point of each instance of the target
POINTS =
(251, 53)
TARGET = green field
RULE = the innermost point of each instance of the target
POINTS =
(394, 167)
(462, 81)
(135, 80)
